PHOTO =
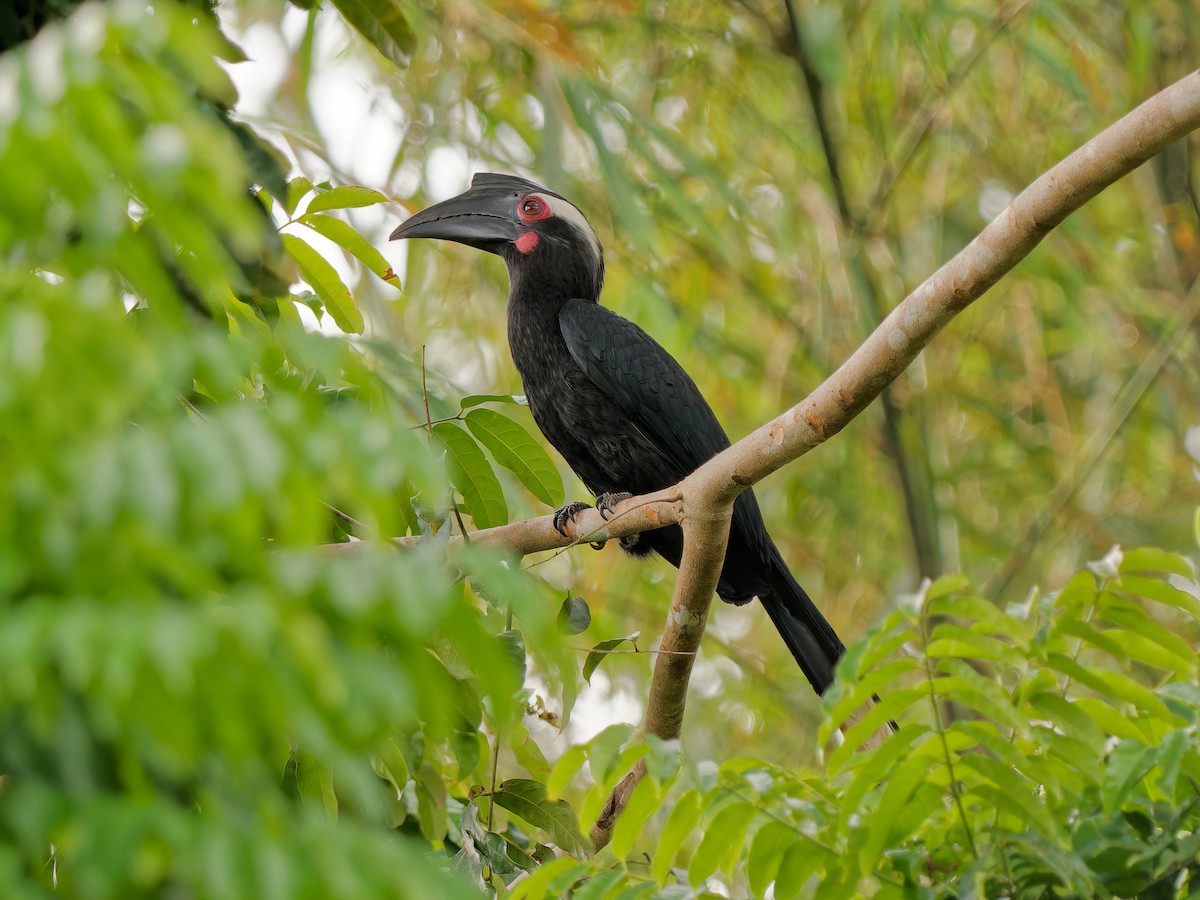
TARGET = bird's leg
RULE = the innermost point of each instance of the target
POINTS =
(566, 514)
(604, 505)
(606, 501)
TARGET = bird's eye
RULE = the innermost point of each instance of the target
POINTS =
(534, 208)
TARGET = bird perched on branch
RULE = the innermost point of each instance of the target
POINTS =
(614, 403)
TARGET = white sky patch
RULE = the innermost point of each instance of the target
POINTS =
(447, 173)
(599, 706)
(258, 79)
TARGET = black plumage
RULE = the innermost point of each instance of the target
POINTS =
(614, 403)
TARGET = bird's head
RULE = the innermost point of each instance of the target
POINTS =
(543, 238)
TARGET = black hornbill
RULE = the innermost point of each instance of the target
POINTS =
(615, 404)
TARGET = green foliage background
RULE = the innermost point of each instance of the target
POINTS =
(196, 700)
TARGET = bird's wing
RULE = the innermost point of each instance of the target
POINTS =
(645, 382)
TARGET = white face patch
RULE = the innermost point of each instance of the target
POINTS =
(566, 211)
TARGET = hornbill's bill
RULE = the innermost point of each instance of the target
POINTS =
(613, 402)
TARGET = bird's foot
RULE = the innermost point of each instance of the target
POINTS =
(606, 501)
(566, 514)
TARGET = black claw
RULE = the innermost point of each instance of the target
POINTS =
(606, 502)
(566, 514)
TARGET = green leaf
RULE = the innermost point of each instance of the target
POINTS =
(947, 585)
(1014, 793)
(565, 769)
(390, 764)
(384, 24)
(344, 197)
(876, 764)
(889, 708)
(799, 862)
(680, 823)
(472, 475)
(476, 399)
(344, 235)
(870, 685)
(1068, 717)
(595, 886)
(900, 784)
(1155, 589)
(1127, 765)
(1151, 559)
(574, 617)
(518, 857)
(1170, 759)
(432, 812)
(643, 803)
(513, 643)
(767, 849)
(1108, 683)
(602, 650)
(491, 847)
(550, 880)
(724, 832)
(965, 606)
(329, 287)
(954, 641)
(516, 449)
(1162, 654)
(528, 799)
(296, 189)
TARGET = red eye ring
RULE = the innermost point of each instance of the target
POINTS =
(533, 208)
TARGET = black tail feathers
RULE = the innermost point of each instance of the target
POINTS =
(811, 639)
